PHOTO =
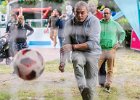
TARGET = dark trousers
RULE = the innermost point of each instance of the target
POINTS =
(102, 74)
(21, 45)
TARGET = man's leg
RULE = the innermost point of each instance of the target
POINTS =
(91, 74)
(55, 37)
(110, 65)
(61, 39)
(51, 33)
(79, 61)
(102, 71)
(102, 74)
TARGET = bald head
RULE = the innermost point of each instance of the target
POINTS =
(107, 9)
(107, 14)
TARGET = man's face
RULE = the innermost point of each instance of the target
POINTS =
(81, 14)
(55, 13)
(107, 14)
(13, 18)
(20, 20)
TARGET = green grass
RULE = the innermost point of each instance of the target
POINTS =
(4, 95)
(102, 95)
(132, 90)
(53, 93)
(53, 66)
(59, 86)
(25, 94)
(5, 69)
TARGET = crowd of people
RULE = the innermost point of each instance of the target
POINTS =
(90, 40)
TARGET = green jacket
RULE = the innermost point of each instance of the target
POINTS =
(111, 33)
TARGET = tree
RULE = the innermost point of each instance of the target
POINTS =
(57, 1)
(28, 2)
(3, 6)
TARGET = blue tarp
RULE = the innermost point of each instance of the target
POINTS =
(130, 9)
(118, 15)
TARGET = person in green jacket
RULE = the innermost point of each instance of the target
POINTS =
(112, 35)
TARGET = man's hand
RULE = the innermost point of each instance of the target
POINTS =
(116, 46)
(61, 67)
(67, 48)
(46, 30)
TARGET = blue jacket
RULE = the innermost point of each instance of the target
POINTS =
(60, 23)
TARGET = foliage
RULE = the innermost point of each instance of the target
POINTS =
(93, 1)
(126, 26)
(124, 23)
(4, 95)
(127, 38)
(57, 1)
(3, 6)
(108, 3)
(28, 2)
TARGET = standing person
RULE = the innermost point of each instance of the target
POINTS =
(102, 71)
(93, 9)
(112, 35)
(10, 30)
(12, 21)
(53, 28)
(60, 24)
(82, 37)
(69, 10)
(20, 37)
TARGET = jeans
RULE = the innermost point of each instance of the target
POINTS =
(61, 39)
(86, 72)
(16, 46)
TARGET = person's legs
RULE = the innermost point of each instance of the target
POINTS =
(102, 74)
(110, 65)
(51, 34)
(69, 57)
(101, 66)
(21, 45)
(91, 74)
(55, 37)
(78, 60)
(12, 48)
(61, 39)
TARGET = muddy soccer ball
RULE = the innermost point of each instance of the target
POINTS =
(28, 64)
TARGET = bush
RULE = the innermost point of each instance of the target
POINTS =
(126, 26)
(127, 38)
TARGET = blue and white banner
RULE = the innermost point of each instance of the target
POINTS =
(131, 10)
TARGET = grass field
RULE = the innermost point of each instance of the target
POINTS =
(53, 85)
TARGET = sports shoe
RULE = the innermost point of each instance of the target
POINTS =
(102, 85)
(85, 94)
(107, 88)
